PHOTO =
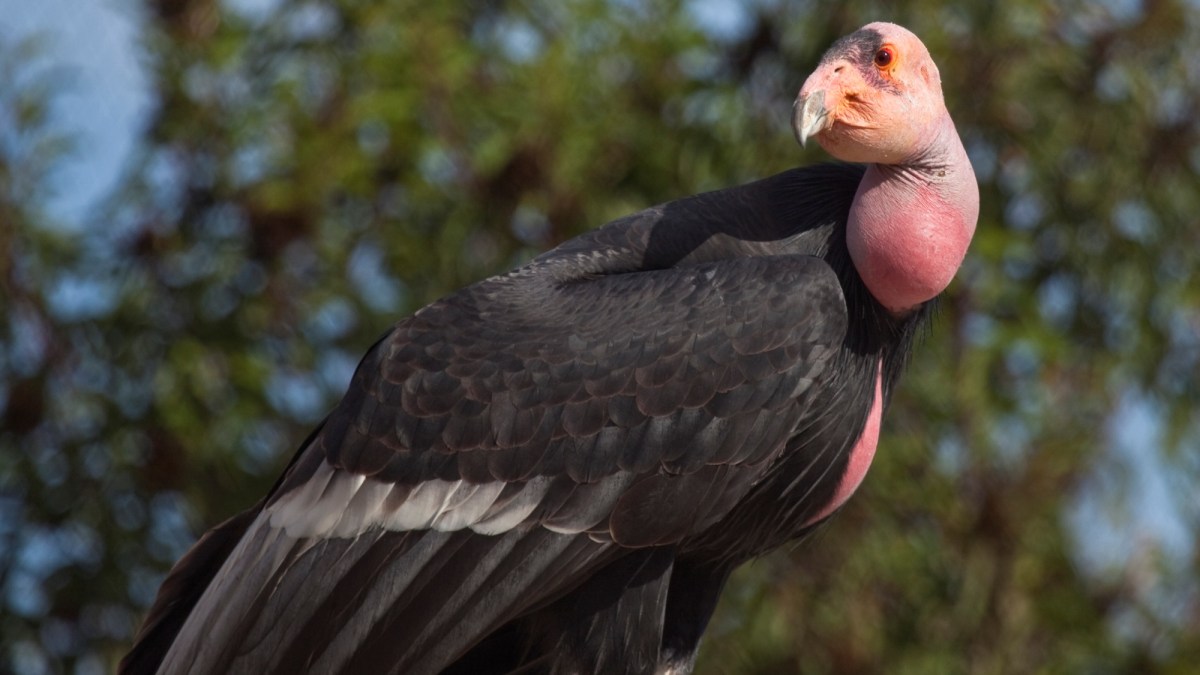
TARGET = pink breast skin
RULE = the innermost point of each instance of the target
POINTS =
(860, 455)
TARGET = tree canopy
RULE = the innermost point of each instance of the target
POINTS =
(316, 169)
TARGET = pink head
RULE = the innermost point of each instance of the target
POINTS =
(872, 97)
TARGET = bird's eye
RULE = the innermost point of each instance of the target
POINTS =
(884, 57)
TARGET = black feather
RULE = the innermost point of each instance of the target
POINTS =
(677, 391)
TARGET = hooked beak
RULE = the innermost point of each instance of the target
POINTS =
(809, 116)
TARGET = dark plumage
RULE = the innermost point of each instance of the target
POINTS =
(556, 469)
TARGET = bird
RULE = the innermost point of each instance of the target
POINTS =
(556, 469)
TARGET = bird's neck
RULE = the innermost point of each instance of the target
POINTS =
(910, 223)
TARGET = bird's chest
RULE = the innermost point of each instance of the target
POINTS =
(818, 468)
(827, 457)
(858, 459)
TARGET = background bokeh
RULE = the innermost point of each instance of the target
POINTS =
(210, 208)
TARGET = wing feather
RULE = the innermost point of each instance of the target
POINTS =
(504, 443)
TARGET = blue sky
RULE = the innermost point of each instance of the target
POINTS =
(103, 101)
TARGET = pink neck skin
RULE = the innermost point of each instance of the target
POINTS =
(911, 222)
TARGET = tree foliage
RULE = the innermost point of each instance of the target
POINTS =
(317, 169)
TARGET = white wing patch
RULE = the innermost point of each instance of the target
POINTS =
(335, 503)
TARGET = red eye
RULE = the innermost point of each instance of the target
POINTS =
(884, 57)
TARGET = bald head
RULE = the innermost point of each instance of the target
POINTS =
(875, 96)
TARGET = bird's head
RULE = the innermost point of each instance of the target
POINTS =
(873, 98)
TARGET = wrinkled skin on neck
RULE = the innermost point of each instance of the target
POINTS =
(911, 222)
